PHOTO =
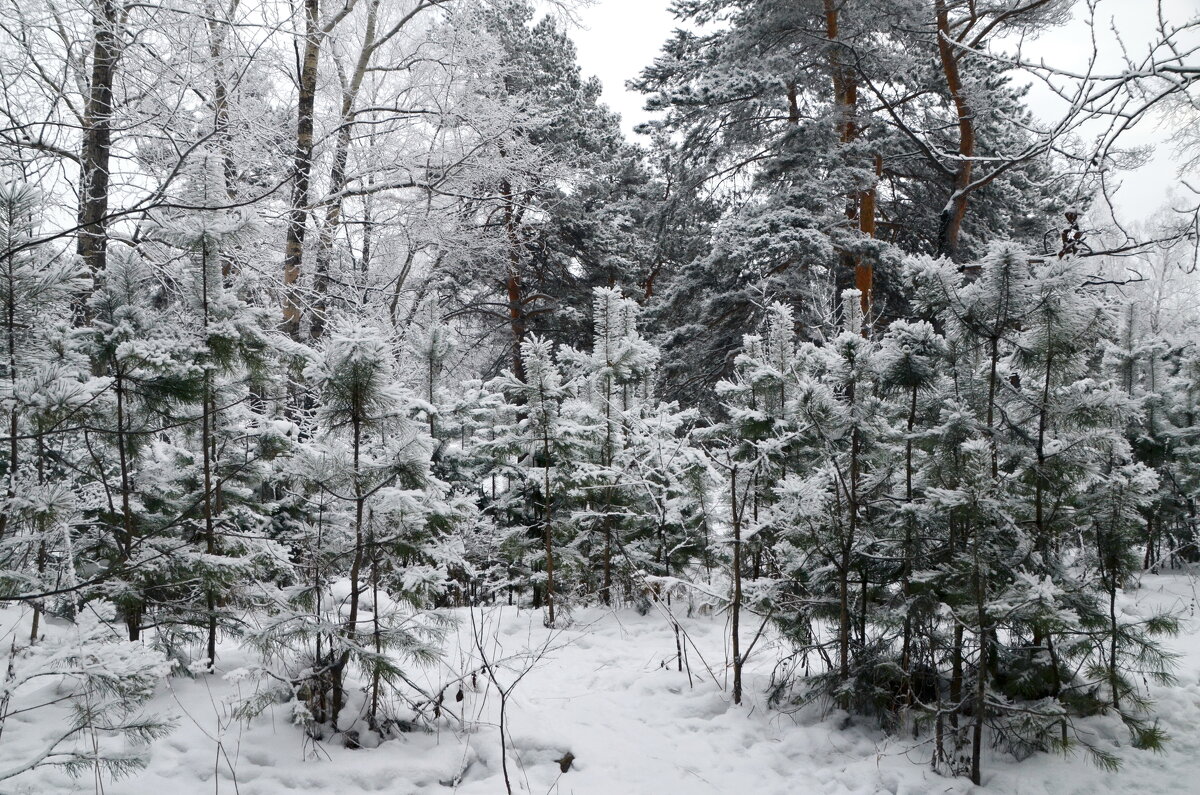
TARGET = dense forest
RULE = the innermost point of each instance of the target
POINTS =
(329, 325)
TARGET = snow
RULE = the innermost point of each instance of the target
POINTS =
(606, 689)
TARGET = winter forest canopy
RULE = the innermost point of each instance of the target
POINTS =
(358, 372)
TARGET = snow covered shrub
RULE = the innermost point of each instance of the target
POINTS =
(602, 484)
(370, 532)
(85, 686)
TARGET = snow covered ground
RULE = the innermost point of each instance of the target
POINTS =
(606, 690)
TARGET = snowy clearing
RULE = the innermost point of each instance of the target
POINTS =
(606, 690)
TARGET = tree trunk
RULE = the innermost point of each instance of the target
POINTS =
(845, 622)
(217, 27)
(206, 442)
(350, 629)
(735, 608)
(376, 632)
(548, 532)
(337, 172)
(512, 281)
(92, 243)
(864, 268)
(981, 674)
(956, 206)
(1114, 676)
(10, 312)
(909, 553)
(860, 205)
(133, 618)
(293, 251)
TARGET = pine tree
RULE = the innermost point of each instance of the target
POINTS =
(1034, 459)
(48, 397)
(231, 354)
(790, 115)
(614, 381)
(536, 455)
(107, 682)
(358, 398)
(910, 362)
(828, 508)
(45, 388)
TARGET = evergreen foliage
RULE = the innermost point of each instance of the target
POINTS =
(793, 360)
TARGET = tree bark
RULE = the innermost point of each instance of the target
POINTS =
(293, 251)
(133, 618)
(92, 242)
(350, 628)
(206, 441)
(909, 552)
(512, 282)
(735, 608)
(864, 268)
(860, 205)
(548, 528)
(10, 311)
(217, 31)
(337, 172)
(956, 206)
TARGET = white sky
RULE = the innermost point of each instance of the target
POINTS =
(618, 38)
